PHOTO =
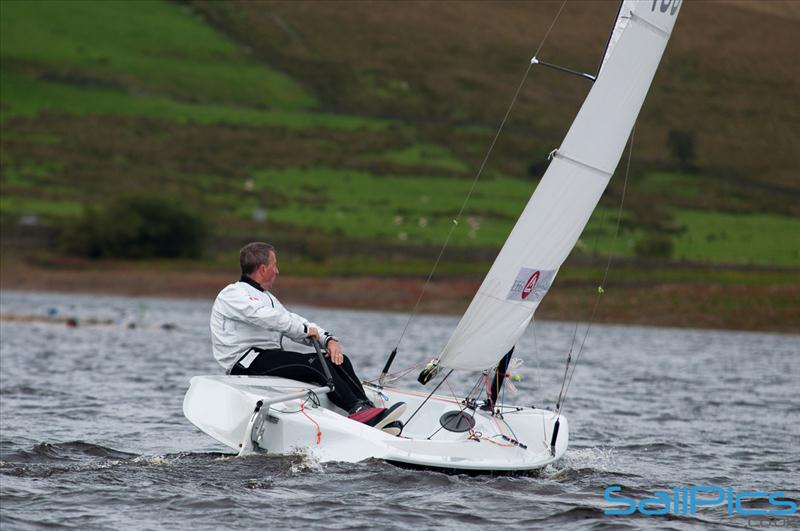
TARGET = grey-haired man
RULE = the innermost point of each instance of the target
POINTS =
(249, 324)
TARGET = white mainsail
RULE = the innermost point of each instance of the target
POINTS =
(556, 214)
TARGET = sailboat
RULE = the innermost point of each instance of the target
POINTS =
(279, 416)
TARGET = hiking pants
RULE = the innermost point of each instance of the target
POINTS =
(347, 394)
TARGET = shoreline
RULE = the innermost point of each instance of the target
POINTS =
(760, 308)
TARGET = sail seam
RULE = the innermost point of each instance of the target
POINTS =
(655, 27)
(495, 297)
(560, 155)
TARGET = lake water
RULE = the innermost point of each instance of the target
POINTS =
(92, 434)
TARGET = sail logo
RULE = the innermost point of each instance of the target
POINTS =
(530, 285)
(667, 5)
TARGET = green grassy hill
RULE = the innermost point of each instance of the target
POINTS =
(362, 124)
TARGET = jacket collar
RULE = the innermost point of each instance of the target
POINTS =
(248, 280)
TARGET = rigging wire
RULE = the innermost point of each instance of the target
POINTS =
(562, 396)
(394, 376)
(462, 407)
(477, 177)
(446, 376)
(537, 356)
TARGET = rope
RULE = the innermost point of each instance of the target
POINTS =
(552, 24)
(461, 409)
(475, 387)
(422, 395)
(502, 403)
(393, 376)
(538, 357)
(477, 177)
(478, 436)
(568, 380)
(316, 425)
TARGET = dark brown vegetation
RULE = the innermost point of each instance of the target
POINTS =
(729, 74)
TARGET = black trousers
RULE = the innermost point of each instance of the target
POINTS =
(347, 393)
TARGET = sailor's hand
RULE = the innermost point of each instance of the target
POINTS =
(335, 352)
(313, 333)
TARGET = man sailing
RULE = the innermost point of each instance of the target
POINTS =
(248, 325)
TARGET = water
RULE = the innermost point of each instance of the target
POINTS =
(92, 434)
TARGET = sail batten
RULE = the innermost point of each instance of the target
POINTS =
(652, 25)
(569, 191)
(607, 173)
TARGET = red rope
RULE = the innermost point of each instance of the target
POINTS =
(303, 411)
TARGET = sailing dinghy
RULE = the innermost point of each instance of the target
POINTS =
(280, 416)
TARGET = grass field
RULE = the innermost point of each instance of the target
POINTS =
(404, 208)
(719, 237)
(147, 46)
(707, 237)
(431, 155)
(31, 97)
(146, 58)
(44, 207)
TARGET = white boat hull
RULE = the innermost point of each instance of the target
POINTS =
(226, 408)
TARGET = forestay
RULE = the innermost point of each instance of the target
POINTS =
(559, 209)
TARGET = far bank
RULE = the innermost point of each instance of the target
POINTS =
(766, 302)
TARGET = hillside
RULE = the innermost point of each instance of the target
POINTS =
(343, 128)
(728, 75)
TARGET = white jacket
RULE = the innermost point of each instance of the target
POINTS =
(243, 317)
